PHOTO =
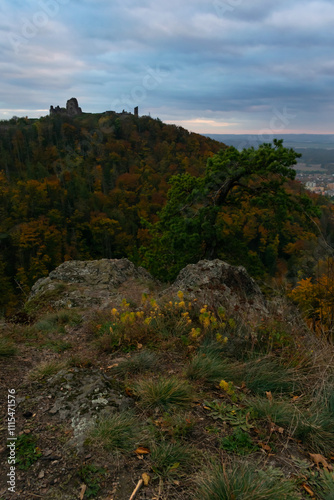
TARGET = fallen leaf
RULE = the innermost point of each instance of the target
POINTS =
(142, 451)
(128, 391)
(146, 478)
(265, 447)
(82, 491)
(269, 395)
(319, 459)
(308, 489)
(280, 430)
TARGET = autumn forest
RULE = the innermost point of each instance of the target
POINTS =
(117, 185)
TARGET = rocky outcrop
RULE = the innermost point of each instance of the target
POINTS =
(97, 283)
(217, 283)
(104, 283)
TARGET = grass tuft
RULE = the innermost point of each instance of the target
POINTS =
(206, 368)
(171, 459)
(164, 393)
(242, 481)
(140, 362)
(7, 347)
(313, 426)
(119, 432)
(45, 370)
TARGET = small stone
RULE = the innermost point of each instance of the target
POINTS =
(41, 474)
(27, 431)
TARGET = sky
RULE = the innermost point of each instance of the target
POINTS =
(210, 66)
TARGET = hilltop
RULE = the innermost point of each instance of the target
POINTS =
(78, 187)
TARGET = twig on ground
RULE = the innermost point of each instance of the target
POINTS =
(137, 488)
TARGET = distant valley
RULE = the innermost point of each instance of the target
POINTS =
(315, 168)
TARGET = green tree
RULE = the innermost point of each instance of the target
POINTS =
(192, 225)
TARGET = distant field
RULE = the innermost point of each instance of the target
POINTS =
(303, 167)
(317, 150)
(303, 141)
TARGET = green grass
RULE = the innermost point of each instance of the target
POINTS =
(57, 321)
(92, 476)
(259, 374)
(163, 393)
(171, 459)
(206, 368)
(314, 426)
(325, 487)
(139, 362)
(7, 347)
(239, 443)
(280, 412)
(316, 429)
(27, 451)
(177, 426)
(242, 481)
(58, 345)
(267, 374)
(119, 432)
(45, 370)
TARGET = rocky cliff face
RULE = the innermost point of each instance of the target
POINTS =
(104, 283)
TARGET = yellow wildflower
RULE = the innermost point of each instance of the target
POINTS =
(125, 304)
(180, 295)
(224, 385)
(206, 322)
(195, 333)
(114, 312)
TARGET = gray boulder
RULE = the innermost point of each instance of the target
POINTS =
(97, 283)
(215, 283)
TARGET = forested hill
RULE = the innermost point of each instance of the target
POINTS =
(77, 188)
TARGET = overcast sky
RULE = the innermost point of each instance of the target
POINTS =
(211, 66)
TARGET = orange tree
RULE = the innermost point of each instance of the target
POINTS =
(315, 297)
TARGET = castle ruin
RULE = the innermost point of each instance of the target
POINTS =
(72, 109)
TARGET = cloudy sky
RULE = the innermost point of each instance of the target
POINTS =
(211, 66)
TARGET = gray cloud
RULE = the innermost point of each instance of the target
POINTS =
(222, 63)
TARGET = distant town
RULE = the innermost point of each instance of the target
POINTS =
(320, 183)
